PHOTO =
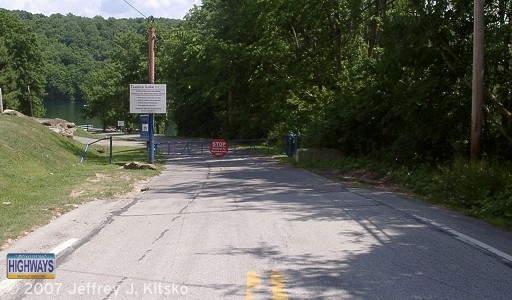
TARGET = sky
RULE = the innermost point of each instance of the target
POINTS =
(174, 9)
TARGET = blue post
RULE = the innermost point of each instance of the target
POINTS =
(85, 152)
(288, 145)
(151, 138)
(296, 143)
(144, 126)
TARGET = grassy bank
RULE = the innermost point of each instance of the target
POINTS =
(41, 176)
(482, 190)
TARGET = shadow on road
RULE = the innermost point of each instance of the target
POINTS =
(382, 252)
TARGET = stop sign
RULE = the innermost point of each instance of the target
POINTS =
(219, 147)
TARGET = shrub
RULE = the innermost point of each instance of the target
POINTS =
(481, 187)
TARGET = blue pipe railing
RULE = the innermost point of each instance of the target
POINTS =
(87, 148)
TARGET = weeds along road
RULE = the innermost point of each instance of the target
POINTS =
(248, 228)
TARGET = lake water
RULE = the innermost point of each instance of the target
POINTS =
(69, 111)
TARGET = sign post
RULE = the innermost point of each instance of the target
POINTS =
(1, 102)
(219, 148)
(148, 99)
(151, 65)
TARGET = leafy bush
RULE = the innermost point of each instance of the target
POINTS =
(481, 187)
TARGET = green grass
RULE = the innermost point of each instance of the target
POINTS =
(259, 149)
(42, 178)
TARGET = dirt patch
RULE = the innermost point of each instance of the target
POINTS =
(138, 187)
(76, 194)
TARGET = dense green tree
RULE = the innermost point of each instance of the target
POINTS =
(106, 90)
(498, 132)
(101, 91)
(210, 72)
(21, 66)
(257, 66)
(384, 77)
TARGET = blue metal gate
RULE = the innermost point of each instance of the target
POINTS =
(242, 147)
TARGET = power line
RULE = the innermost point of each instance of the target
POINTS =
(135, 8)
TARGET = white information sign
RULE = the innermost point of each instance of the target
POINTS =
(148, 98)
(120, 123)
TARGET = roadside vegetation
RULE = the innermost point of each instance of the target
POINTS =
(41, 176)
(482, 189)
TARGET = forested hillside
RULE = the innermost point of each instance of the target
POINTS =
(65, 51)
(73, 47)
(390, 78)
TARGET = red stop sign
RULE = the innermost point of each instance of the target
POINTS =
(219, 147)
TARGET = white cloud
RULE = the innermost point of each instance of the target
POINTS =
(175, 9)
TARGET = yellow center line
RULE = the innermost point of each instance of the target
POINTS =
(253, 281)
(278, 288)
(276, 283)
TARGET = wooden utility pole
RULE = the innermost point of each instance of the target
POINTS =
(478, 81)
(151, 54)
(30, 102)
(151, 33)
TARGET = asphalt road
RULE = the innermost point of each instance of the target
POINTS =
(248, 228)
(134, 142)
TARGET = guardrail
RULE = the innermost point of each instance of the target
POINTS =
(86, 127)
(87, 148)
